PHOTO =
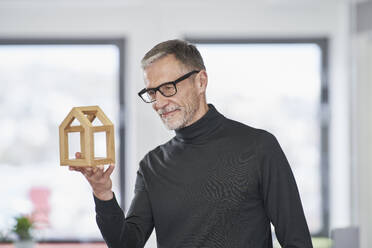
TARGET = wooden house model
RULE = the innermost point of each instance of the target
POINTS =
(86, 115)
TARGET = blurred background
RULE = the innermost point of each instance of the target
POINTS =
(300, 69)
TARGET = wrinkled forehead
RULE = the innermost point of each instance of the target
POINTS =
(164, 69)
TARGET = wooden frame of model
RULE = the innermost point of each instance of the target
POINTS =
(86, 115)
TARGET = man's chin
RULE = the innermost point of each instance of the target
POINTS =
(172, 126)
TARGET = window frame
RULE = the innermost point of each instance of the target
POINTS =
(322, 43)
(120, 43)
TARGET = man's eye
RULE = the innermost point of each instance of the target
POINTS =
(167, 88)
(151, 92)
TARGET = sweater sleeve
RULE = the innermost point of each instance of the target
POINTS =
(281, 197)
(131, 231)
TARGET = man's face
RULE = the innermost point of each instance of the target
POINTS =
(179, 110)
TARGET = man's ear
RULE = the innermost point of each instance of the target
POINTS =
(202, 80)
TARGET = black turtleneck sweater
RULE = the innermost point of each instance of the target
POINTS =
(217, 184)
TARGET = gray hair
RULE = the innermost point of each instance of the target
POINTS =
(184, 52)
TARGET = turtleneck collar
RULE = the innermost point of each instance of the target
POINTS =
(202, 128)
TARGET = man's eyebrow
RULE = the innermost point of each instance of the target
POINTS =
(170, 82)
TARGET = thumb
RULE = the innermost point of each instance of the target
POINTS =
(77, 155)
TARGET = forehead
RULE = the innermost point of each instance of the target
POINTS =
(163, 70)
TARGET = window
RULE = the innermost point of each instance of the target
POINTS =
(279, 86)
(41, 80)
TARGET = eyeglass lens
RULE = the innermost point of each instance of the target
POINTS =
(166, 90)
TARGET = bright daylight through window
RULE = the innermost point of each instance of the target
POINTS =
(275, 87)
(39, 86)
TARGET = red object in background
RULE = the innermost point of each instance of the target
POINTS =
(41, 208)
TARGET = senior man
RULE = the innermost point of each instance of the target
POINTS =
(216, 183)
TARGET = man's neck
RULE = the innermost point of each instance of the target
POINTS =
(202, 110)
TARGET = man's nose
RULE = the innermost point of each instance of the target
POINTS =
(160, 100)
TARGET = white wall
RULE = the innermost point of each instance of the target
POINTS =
(144, 23)
(362, 129)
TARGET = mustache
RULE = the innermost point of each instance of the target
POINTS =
(167, 109)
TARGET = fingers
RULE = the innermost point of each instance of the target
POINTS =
(97, 173)
(109, 170)
(98, 168)
(87, 171)
(75, 168)
(77, 155)
(94, 173)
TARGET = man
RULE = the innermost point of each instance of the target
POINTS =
(217, 183)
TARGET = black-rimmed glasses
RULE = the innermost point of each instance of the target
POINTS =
(167, 89)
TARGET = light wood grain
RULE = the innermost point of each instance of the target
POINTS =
(86, 115)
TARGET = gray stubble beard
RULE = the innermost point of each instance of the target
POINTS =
(187, 117)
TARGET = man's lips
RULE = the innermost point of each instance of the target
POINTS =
(166, 114)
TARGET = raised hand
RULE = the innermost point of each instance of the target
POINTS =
(98, 179)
